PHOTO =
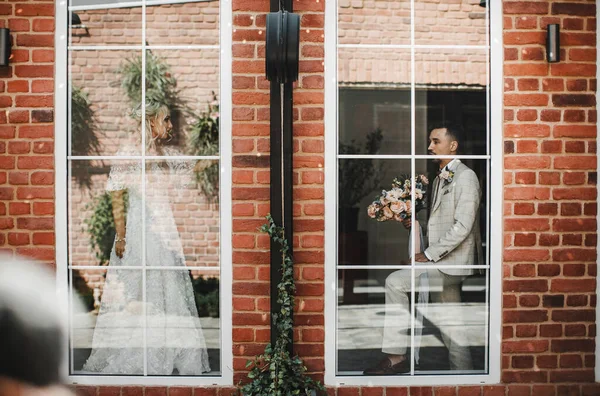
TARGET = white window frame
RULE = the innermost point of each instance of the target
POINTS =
(61, 216)
(495, 226)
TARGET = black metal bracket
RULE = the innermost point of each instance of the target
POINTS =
(281, 154)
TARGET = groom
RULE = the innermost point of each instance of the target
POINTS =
(454, 240)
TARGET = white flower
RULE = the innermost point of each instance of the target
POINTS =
(398, 207)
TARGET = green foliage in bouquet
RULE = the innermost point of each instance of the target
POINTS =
(203, 139)
(206, 296)
(358, 178)
(101, 225)
(275, 372)
(84, 140)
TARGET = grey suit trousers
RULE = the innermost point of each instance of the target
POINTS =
(396, 332)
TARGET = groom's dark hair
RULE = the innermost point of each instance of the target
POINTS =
(455, 131)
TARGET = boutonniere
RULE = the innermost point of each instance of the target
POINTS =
(447, 175)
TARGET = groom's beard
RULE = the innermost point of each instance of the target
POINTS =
(435, 160)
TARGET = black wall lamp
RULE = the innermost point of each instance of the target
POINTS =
(553, 43)
(282, 46)
(4, 46)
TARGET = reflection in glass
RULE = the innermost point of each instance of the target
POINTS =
(182, 203)
(187, 83)
(452, 87)
(374, 121)
(191, 23)
(359, 23)
(105, 26)
(92, 228)
(108, 336)
(102, 100)
(450, 23)
(449, 322)
(178, 342)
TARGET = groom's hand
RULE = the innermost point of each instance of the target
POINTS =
(406, 223)
(421, 258)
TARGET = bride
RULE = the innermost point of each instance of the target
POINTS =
(174, 341)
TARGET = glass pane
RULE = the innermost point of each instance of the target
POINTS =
(449, 22)
(382, 22)
(191, 23)
(452, 89)
(369, 222)
(108, 335)
(103, 198)
(449, 321)
(454, 323)
(105, 26)
(459, 198)
(374, 101)
(104, 91)
(182, 221)
(179, 341)
(183, 85)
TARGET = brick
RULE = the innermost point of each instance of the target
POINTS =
(528, 316)
(578, 100)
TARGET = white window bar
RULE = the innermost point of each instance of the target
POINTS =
(408, 156)
(409, 46)
(413, 152)
(143, 127)
(75, 47)
(139, 157)
(148, 267)
(133, 4)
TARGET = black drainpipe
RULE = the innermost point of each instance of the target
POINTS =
(281, 160)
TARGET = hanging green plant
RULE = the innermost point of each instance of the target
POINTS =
(101, 225)
(160, 85)
(84, 138)
(203, 140)
(275, 372)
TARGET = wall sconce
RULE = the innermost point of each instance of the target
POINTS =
(553, 43)
(4, 46)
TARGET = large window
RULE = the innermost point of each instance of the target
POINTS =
(413, 294)
(143, 154)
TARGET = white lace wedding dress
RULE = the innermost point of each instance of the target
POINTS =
(175, 342)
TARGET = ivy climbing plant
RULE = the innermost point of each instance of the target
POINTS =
(275, 372)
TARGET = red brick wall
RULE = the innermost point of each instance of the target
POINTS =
(550, 192)
(27, 132)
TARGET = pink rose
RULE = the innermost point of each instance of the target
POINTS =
(372, 211)
(398, 207)
(387, 213)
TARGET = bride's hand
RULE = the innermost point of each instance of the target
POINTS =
(120, 248)
(406, 223)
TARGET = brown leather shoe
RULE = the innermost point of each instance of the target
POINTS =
(385, 367)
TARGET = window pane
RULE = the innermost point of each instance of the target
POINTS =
(108, 336)
(374, 101)
(449, 22)
(104, 92)
(381, 22)
(452, 88)
(100, 195)
(179, 341)
(191, 23)
(186, 83)
(182, 218)
(449, 320)
(105, 26)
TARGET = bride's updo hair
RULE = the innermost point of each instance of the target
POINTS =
(154, 110)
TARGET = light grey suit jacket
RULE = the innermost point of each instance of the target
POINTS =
(453, 228)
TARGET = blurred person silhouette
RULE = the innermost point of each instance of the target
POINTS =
(32, 331)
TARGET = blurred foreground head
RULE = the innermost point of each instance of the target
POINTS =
(31, 328)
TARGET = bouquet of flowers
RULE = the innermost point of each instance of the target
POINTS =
(395, 204)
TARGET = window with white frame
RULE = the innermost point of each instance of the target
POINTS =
(143, 165)
(413, 201)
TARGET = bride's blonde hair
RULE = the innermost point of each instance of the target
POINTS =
(154, 111)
